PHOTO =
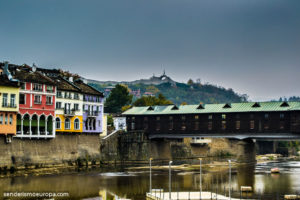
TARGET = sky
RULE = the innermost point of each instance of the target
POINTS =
(252, 46)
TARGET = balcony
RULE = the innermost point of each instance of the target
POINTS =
(37, 102)
(49, 103)
(69, 112)
(9, 105)
(92, 113)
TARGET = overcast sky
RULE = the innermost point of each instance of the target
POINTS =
(252, 46)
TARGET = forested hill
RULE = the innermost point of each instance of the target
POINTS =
(182, 93)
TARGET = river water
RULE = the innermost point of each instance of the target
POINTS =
(134, 185)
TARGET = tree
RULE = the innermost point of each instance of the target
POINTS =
(190, 82)
(127, 107)
(154, 90)
(152, 101)
(118, 98)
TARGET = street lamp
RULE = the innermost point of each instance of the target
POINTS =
(229, 161)
(150, 178)
(170, 179)
(200, 159)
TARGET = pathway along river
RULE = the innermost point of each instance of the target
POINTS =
(134, 185)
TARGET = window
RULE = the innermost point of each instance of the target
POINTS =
(13, 100)
(171, 118)
(157, 118)
(183, 126)
(37, 99)
(145, 125)
(252, 124)
(281, 125)
(76, 106)
(266, 116)
(67, 123)
(183, 118)
(37, 87)
(57, 123)
(59, 94)
(76, 96)
(6, 119)
(22, 99)
(223, 125)
(157, 126)
(58, 105)
(49, 88)
(67, 108)
(223, 116)
(266, 126)
(209, 126)
(4, 100)
(238, 125)
(132, 125)
(10, 119)
(281, 116)
(1, 119)
(49, 100)
(196, 126)
(210, 117)
(196, 116)
(76, 124)
(171, 125)
(68, 95)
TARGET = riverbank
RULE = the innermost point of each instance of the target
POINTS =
(189, 165)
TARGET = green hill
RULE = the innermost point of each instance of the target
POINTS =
(180, 92)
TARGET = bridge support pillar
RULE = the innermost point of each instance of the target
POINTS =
(246, 151)
(160, 149)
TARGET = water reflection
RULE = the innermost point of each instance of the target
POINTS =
(134, 185)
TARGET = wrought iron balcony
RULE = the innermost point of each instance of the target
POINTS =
(93, 113)
(69, 112)
(8, 105)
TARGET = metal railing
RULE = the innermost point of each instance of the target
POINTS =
(69, 112)
(8, 105)
(92, 113)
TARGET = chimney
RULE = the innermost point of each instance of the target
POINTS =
(71, 79)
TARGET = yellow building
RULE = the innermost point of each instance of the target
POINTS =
(68, 110)
(9, 105)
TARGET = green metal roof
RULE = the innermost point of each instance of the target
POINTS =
(214, 108)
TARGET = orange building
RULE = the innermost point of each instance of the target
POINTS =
(9, 105)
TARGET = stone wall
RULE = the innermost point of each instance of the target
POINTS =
(64, 149)
(135, 146)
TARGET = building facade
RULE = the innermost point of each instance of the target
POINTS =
(69, 113)
(119, 123)
(36, 104)
(92, 108)
(9, 106)
(240, 118)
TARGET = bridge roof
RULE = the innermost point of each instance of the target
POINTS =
(215, 108)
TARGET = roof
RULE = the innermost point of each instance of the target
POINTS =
(63, 84)
(87, 89)
(30, 76)
(5, 82)
(214, 108)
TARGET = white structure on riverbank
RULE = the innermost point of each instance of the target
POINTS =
(159, 194)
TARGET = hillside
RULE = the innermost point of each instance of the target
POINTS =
(180, 92)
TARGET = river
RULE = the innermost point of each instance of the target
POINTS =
(134, 184)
